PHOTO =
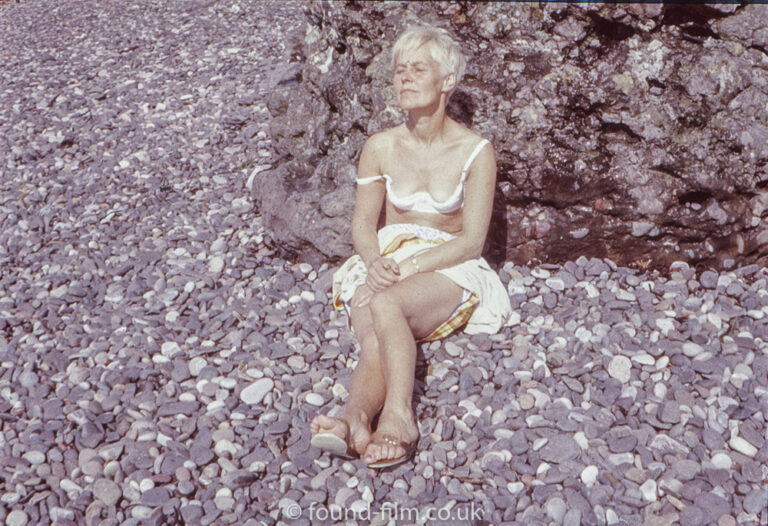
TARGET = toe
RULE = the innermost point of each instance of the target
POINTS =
(376, 452)
(393, 452)
(321, 421)
(373, 453)
(327, 423)
(314, 425)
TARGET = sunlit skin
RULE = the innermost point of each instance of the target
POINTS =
(418, 81)
(398, 304)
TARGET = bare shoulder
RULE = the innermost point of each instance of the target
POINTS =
(476, 152)
(375, 150)
(468, 139)
(380, 142)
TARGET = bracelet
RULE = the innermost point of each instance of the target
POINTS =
(415, 264)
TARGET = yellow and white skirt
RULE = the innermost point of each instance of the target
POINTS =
(484, 307)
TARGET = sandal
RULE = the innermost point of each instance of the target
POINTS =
(410, 449)
(334, 444)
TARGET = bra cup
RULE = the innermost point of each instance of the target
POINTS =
(424, 202)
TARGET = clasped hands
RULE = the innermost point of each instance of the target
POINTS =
(382, 272)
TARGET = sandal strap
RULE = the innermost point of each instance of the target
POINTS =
(389, 440)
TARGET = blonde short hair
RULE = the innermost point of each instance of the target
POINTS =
(442, 47)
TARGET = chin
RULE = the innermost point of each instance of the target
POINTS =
(413, 105)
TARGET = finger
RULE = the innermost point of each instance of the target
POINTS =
(382, 278)
(387, 271)
(380, 264)
(382, 282)
(372, 284)
(392, 277)
(391, 265)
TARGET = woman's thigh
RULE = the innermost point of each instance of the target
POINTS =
(426, 300)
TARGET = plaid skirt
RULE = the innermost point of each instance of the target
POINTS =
(484, 307)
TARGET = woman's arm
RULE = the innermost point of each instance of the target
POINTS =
(368, 202)
(476, 216)
(382, 272)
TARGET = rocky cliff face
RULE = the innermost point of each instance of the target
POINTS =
(633, 132)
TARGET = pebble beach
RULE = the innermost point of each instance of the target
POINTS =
(161, 357)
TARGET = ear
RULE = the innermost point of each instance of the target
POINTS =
(449, 82)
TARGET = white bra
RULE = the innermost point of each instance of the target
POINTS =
(423, 201)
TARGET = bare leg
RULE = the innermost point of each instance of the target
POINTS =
(366, 391)
(410, 309)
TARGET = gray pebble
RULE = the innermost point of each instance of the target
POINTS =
(712, 504)
(90, 435)
(16, 518)
(452, 349)
(28, 379)
(622, 444)
(185, 487)
(708, 279)
(669, 412)
(560, 448)
(556, 509)
(756, 501)
(178, 408)
(107, 491)
(58, 514)
(155, 497)
(34, 457)
(686, 469)
(191, 513)
(572, 518)
(712, 439)
(255, 393)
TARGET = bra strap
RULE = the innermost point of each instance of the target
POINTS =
(472, 156)
(366, 180)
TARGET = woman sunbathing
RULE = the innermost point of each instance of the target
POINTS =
(421, 276)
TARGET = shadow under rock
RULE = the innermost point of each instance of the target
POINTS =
(462, 108)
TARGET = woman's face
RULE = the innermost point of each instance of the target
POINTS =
(418, 81)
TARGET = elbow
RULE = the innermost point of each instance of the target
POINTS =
(475, 247)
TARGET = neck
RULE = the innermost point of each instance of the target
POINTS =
(428, 124)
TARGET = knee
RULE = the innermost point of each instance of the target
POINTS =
(384, 304)
(369, 346)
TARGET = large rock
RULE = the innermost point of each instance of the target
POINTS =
(633, 132)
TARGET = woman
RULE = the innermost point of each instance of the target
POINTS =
(421, 276)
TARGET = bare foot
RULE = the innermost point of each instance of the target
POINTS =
(353, 430)
(395, 432)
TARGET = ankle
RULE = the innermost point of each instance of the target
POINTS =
(354, 415)
(397, 412)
